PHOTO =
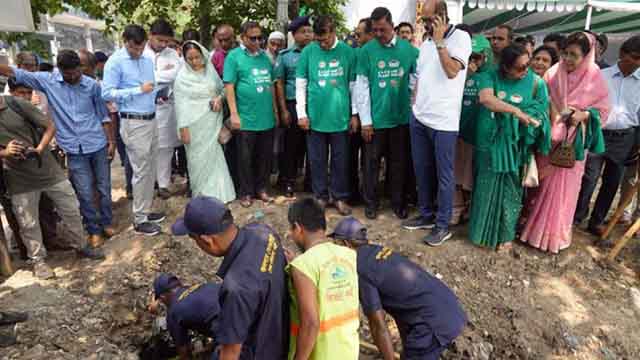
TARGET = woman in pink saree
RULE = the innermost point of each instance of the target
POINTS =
(575, 85)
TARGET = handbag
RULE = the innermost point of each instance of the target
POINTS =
(225, 134)
(564, 154)
(530, 178)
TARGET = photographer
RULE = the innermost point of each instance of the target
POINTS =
(31, 170)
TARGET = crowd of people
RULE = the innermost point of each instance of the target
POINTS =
(466, 127)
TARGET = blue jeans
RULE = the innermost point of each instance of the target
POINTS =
(124, 159)
(91, 173)
(318, 145)
(434, 153)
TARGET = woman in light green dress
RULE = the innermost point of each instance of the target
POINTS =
(512, 123)
(198, 94)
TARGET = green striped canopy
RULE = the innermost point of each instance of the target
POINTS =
(545, 16)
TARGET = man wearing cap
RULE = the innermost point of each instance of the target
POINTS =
(194, 308)
(253, 296)
(275, 43)
(426, 311)
(386, 67)
(324, 288)
(285, 73)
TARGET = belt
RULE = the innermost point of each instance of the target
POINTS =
(621, 132)
(132, 116)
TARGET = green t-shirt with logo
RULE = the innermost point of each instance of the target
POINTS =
(388, 69)
(252, 78)
(328, 74)
(470, 108)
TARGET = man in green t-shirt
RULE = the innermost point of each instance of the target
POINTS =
(251, 97)
(385, 67)
(323, 287)
(324, 80)
(285, 74)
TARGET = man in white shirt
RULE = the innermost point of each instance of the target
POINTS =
(441, 72)
(620, 136)
(167, 63)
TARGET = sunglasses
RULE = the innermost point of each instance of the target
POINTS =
(255, 38)
(522, 68)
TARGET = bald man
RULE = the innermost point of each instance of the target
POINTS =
(225, 38)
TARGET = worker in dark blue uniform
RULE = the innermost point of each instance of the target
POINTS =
(254, 321)
(194, 308)
(426, 311)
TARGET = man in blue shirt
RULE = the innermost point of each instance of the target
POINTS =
(620, 137)
(84, 132)
(129, 81)
(194, 308)
(253, 297)
(427, 313)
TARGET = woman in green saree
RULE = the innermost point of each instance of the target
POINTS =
(513, 123)
(198, 96)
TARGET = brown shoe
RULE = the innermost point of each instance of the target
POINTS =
(263, 196)
(95, 240)
(343, 208)
(108, 232)
(246, 202)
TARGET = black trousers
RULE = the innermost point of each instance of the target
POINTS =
(391, 144)
(618, 145)
(255, 153)
(294, 148)
(355, 145)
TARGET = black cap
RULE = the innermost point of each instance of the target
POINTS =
(299, 22)
(349, 229)
(204, 215)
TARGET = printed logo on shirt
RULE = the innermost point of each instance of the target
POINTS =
(264, 72)
(394, 83)
(502, 95)
(381, 64)
(255, 72)
(516, 99)
(334, 63)
(382, 84)
(394, 63)
(322, 83)
(470, 82)
(322, 64)
(466, 103)
(334, 82)
(338, 273)
(260, 89)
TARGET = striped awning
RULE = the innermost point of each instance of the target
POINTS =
(545, 16)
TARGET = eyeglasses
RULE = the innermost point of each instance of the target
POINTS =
(254, 38)
(522, 68)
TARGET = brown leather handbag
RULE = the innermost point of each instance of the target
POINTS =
(564, 154)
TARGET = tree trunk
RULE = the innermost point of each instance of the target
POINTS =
(204, 23)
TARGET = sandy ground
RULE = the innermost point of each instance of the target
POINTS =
(524, 305)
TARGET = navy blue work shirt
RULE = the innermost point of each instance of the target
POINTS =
(194, 308)
(391, 282)
(253, 296)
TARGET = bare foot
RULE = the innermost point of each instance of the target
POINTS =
(505, 248)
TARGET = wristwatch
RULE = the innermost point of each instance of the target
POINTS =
(440, 45)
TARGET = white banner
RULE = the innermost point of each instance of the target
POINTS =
(16, 16)
(401, 10)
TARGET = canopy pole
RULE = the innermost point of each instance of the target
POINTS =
(587, 25)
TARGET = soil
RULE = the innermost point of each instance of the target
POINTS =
(521, 305)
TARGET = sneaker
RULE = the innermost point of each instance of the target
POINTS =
(147, 228)
(7, 340)
(90, 253)
(437, 237)
(10, 318)
(343, 208)
(42, 271)
(156, 218)
(418, 223)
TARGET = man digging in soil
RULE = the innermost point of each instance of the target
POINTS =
(193, 308)
(253, 296)
(426, 311)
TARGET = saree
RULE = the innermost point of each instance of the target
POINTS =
(549, 226)
(503, 146)
(208, 171)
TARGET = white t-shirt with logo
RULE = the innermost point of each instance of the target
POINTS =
(439, 99)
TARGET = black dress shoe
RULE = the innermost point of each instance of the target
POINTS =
(10, 318)
(401, 213)
(371, 213)
(288, 191)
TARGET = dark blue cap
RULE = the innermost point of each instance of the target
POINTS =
(299, 22)
(349, 229)
(204, 215)
(165, 282)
